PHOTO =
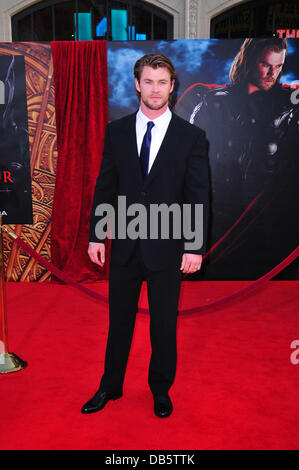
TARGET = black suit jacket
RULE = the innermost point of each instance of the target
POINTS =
(179, 175)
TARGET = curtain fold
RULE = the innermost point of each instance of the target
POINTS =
(81, 106)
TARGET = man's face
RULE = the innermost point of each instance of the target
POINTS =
(155, 86)
(268, 68)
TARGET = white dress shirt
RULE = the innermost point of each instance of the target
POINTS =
(158, 132)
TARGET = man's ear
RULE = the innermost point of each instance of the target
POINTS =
(137, 85)
(172, 86)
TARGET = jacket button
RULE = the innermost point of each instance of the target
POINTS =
(143, 193)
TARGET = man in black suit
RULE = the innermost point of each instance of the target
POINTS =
(151, 157)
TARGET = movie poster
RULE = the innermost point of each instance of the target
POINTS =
(15, 181)
(28, 115)
(243, 94)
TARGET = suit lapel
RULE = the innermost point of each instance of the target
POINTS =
(131, 150)
(167, 149)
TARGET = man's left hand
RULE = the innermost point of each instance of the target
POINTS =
(191, 263)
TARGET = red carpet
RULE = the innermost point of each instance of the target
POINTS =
(235, 388)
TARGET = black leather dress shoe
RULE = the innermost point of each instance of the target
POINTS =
(98, 401)
(162, 406)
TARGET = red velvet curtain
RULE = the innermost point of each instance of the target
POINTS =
(81, 105)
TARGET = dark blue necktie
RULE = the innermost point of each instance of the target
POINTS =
(145, 150)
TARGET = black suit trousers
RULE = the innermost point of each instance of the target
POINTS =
(163, 295)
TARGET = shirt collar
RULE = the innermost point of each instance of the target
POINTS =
(160, 122)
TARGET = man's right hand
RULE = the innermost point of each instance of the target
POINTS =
(96, 252)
